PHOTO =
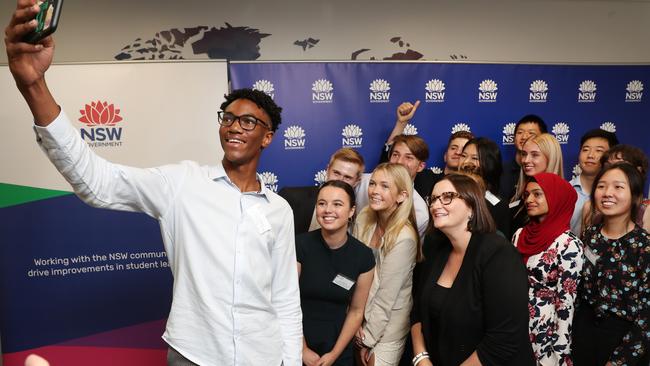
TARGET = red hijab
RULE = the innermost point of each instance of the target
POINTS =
(561, 198)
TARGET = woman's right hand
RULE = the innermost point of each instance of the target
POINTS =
(309, 357)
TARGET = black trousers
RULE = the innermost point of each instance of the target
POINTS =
(595, 339)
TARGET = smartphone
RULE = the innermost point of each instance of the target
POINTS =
(48, 20)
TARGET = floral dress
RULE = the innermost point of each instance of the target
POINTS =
(552, 287)
(616, 282)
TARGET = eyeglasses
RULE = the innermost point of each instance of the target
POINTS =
(445, 198)
(247, 122)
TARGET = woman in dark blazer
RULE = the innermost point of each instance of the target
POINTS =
(471, 305)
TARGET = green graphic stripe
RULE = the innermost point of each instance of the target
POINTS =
(11, 195)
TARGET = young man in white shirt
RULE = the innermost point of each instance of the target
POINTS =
(228, 238)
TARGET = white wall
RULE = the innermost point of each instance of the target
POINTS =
(564, 31)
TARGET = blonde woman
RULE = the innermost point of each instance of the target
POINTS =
(541, 153)
(387, 226)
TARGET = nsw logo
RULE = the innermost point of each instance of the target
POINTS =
(379, 91)
(320, 177)
(576, 171)
(100, 119)
(294, 138)
(266, 87)
(460, 127)
(322, 91)
(409, 129)
(270, 180)
(352, 136)
(487, 91)
(538, 92)
(508, 134)
(587, 92)
(436, 170)
(434, 91)
(608, 126)
(634, 91)
(561, 132)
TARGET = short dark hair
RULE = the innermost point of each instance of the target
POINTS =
(611, 138)
(635, 182)
(630, 154)
(261, 99)
(416, 144)
(470, 192)
(344, 186)
(533, 118)
(489, 158)
(462, 134)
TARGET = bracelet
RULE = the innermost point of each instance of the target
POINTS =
(419, 357)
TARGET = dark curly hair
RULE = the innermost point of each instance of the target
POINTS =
(261, 99)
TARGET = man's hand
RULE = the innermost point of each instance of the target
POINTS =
(27, 62)
(405, 112)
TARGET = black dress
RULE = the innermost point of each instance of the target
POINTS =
(325, 303)
(485, 310)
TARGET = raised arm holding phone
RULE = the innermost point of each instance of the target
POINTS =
(229, 239)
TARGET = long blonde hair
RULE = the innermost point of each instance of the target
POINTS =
(551, 149)
(402, 217)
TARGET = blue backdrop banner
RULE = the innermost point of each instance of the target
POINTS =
(328, 105)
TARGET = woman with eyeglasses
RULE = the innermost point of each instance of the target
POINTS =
(336, 272)
(387, 225)
(553, 258)
(471, 298)
(612, 321)
(482, 156)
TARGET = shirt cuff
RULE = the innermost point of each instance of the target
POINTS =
(56, 133)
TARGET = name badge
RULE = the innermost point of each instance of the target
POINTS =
(591, 256)
(343, 281)
(514, 204)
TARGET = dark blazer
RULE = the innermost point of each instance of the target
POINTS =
(302, 201)
(486, 309)
(509, 179)
(501, 215)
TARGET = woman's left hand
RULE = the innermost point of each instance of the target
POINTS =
(359, 338)
(327, 359)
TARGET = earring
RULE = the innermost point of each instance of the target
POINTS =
(469, 222)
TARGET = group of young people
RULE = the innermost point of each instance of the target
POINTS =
(475, 266)
(554, 274)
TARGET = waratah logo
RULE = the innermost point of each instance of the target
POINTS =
(100, 113)
(508, 134)
(322, 91)
(270, 180)
(320, 177)
(576, 171)
(608, 126)
(538, 91)
(487, 91)
(634, 91)
(561, 132)
(436, 170)
(587, 91)
(294, 138)
(352, 136)
(409, 129)
(100, 119)
(434, 91)
(265, 86)
(379, 91)
(460, 127)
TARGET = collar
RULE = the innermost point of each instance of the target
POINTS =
(218, 173)
(576, 183)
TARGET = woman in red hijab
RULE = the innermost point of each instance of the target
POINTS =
(553, 256)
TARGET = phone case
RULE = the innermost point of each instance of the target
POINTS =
(48, 20)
